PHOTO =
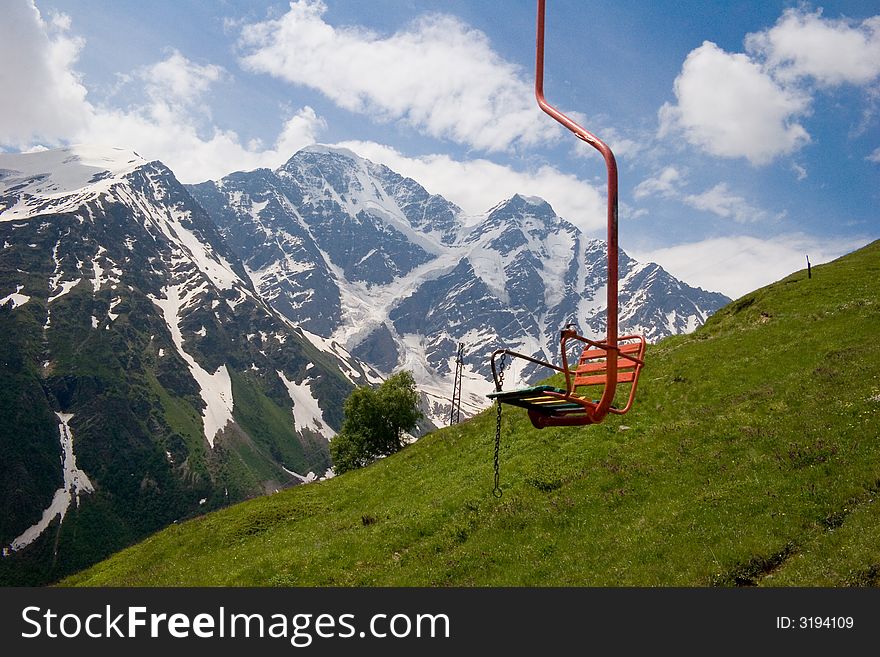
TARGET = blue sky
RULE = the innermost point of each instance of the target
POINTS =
(747, 133)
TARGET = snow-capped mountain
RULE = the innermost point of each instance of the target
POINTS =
(356, 253)
(144, 378)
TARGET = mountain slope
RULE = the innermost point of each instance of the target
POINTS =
(144, 378)
(750, 457)
(354, 252)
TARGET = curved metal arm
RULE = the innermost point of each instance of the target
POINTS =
(611, 167)
(516, 354)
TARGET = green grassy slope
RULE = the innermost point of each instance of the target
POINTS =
(751, 456)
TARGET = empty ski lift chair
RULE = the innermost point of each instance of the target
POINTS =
(591, 384)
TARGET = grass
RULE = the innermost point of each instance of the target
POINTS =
(749, 458)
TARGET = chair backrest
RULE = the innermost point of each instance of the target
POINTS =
(592, 363)
(592, 369)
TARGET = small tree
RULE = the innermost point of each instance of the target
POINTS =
(375, 421)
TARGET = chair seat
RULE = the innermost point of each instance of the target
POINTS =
(536, 398)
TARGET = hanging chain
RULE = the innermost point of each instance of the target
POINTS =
(497, 490)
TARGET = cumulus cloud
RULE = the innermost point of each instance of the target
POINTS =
(738, 264)
(728, 106)
(43, 98)
(806, 45)
(478, 184)
(178, 80)
(438, 75)
(750, 104)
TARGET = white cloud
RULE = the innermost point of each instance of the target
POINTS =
(721, 201)
(748, 105)
(736, 265)
(437, 75)
(50, 105)
(174, 126)
(718, 200)
(728, 106)
(43, 98)
(803, 44)
(477, 185)
(178, 80)
(875, 156)
(666, 183)
(160, 133)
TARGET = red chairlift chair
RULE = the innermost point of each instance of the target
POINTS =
(591, 385)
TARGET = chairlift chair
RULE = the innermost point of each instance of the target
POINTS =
(592, 384)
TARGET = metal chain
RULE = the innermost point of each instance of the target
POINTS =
(497, 490)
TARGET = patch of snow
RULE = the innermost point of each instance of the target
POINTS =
(94, 322)
(16, 298)
(98, 269)
(306, 479)
(307, 414)
(215, 389)
(489, 265)
(113, 305)
(66, 286)
(559, 247)
(214, 266)
(344, 359)
(257, 207)
(232, 303)
(75, 482)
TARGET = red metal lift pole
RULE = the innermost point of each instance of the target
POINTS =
(611, 166)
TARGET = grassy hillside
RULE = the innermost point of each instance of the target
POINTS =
(751, 457)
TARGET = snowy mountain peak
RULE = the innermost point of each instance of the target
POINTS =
(323, 149)
(64, 170)
(59, 180)
(531, 203)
